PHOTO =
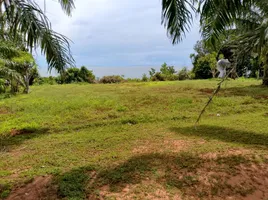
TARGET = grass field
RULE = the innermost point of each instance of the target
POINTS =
(135, 141)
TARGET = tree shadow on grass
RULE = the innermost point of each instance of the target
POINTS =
(225, 135)
(257, 92)
(18, 136)
(188, 174)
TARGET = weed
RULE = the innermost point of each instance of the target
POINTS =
(72, 184)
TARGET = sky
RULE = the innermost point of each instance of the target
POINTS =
(122, 37)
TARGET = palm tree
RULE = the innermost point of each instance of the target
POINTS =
(26, 17)
(217, 17)
(250, 25)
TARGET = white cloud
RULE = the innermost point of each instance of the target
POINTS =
(119, 33)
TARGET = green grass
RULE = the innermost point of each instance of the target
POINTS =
(127, 133)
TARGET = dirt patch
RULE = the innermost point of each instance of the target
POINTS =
(206, 90)
(161, 146)
(38, 189)
(230, 152)
(149, 190)
(261, 97)
(4, 111)
(15, 132)
(233, 174)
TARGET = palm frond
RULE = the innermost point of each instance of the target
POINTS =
(217, 15)
(25, 17)
(67, 6)
(11, 74)
(57, 50)
(177, 18)
(7, 51)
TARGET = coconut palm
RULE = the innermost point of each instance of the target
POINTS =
(219, 16)
(251, 28)
(26, 17)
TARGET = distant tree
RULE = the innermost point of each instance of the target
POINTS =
(86, 75)
(200, 48)
(72, 75)
(152, 72)
(111, 79)
(144, 78)
(183, 74)
(204, 61)
(75, 75)
(167, 70)
(158, 76)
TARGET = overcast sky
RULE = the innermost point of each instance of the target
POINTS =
(122, 37)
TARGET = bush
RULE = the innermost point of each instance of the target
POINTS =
(133, 80)
(158, 77)
(46, 80)
(144, 78)
(2, 86)
(183, 74)
(171, 77)
(111, 79)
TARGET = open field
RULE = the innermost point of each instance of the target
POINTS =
(135, 141)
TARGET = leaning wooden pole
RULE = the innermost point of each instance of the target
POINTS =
(213, 95)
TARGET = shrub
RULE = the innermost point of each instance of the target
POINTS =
(111, 79)
(171, 77)
(133, 80)
(183, 74)
(158, 77)
(144, 78)
(46, 80)
(2, 86)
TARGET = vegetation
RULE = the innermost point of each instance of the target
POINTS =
(75, 75)
(111, 79)
(204, 62)
(96, 140)
(217, 19)
(135, 140)
(25, 27)
(168, 73)
(25, 19)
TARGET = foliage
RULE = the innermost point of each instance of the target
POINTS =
(247, 20)
(152, 72)
(132, 79)
(20, 62)
(244, 21)
(72, 184)
(86, 75)
(204, 61)
(25, 17)
(183, 74)
(167, 70)
(111, 79)
(2, 85)
(144, 78)
(75, 75)
(158, 76)
(167, 73)
(47, 80)
(177, 18)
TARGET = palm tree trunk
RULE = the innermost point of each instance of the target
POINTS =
(265, 75)
(27, 83)
(265, 70)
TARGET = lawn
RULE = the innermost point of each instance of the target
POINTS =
(135, 141)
